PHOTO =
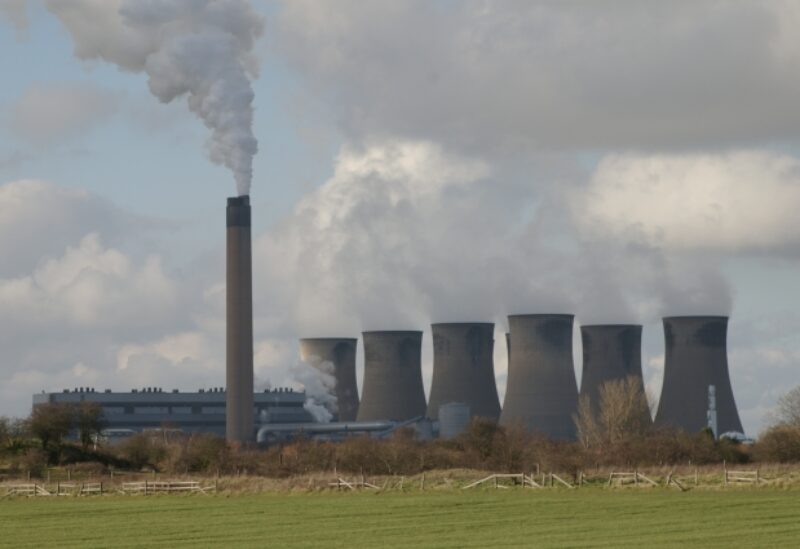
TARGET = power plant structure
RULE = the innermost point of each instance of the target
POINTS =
(696, 358)
(239, 424)
(541, 392)
(340, 352)
(463, 369)
(392, 376)
(611, 352)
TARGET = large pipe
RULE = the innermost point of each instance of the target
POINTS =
(341, 353)
(541, 392)
(696, 357)
(239, 425)
(463, 368)
(611, 352)
(392, 376)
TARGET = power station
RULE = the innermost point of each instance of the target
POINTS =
(392, 376)
(541, 389)
(541, 392)
(239, 424)
(611, 352)
(696, 358)
(340, 352)
(463, 368)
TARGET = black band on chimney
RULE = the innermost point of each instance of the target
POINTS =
(238, 211)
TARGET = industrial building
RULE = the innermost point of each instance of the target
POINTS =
(696, 358)
(541, 392)
(611, 352)
(340, 352)
(392, 376)
(192, 412)
(463, 368)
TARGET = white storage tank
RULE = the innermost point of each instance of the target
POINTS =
(453, 419)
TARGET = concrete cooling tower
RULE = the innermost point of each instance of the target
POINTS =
(696, 357)
(392, 376)
(341, 353)
(541, 392)
(463, 368)
(239, 324)
(610, 352)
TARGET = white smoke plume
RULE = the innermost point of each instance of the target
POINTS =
(317, 379)
(200, 49)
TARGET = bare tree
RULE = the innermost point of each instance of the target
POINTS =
(50, 423)
(788, 409)
(586, 423)
(89, 421)
(622, 414)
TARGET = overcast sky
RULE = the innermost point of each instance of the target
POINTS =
(418, 161)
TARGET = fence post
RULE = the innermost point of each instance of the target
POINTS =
(145, 487)
(725, 471)
(422, 482)
(101, 487)
(758, 478)
(69, 475)
(636, 477)
(696, 477)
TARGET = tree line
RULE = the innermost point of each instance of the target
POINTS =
(616, 431)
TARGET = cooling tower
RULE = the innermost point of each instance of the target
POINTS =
(696, 357)
(610, 352)
(392, 376)
(541, 392)
(341, 352)
(239, 324)
(463, 368)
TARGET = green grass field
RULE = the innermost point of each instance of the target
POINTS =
(585, 518)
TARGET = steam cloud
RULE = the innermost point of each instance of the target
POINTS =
(201, 49)
(317, 379)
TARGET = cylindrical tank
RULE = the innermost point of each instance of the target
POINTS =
(392, 376)
(541, 392)
(239, 426)
(463, 368)
(453, 419)
(696, 356)
(341, 353)
(611, 352)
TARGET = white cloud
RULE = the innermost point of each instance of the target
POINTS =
(737, 202)
(39, 219)
(522, 75)
(51, 112)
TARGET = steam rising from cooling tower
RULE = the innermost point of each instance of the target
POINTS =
(463, 369)
(341, 354)
(201, 49)
(541, 393)
(392, 376)
(696, 357)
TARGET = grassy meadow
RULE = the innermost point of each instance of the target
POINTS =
(485, 518)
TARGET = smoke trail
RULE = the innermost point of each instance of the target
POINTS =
(200, 49)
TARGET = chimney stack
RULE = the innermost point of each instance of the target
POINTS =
(239, 426)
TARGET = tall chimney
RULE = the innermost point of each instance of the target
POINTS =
(696, 357)
(239, 425)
